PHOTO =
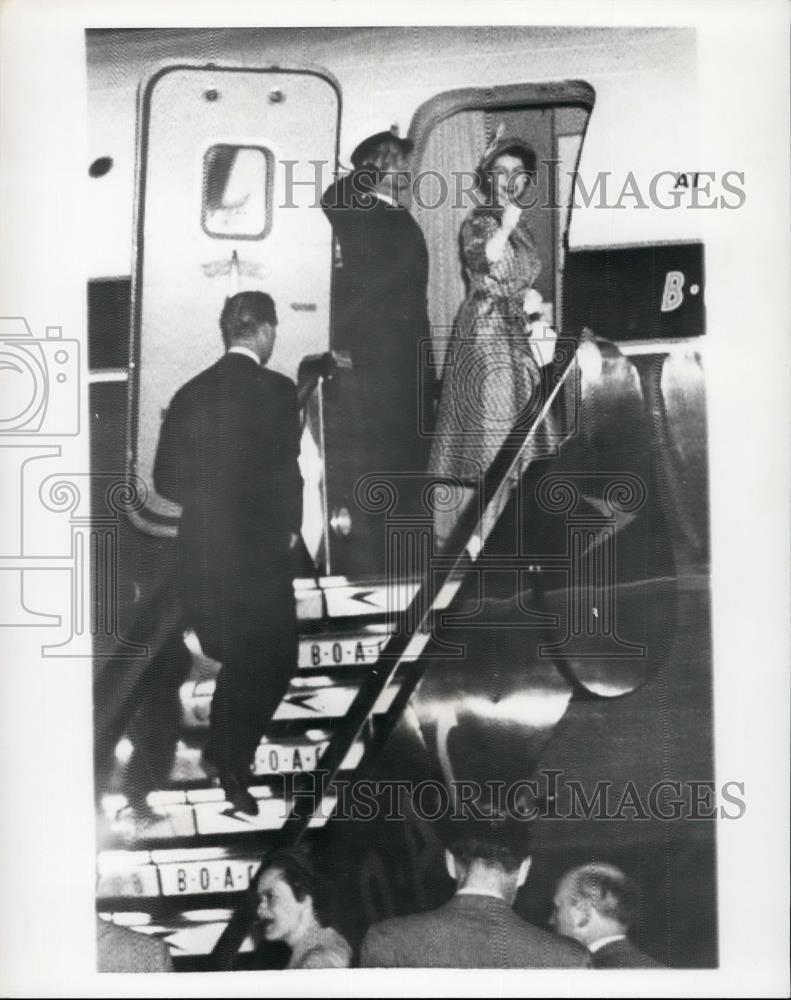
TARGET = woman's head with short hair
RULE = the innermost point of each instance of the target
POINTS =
(286, 890)
(295, 868)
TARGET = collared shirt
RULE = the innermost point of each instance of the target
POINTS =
(479, 892)
(239, 349)
(595, 945)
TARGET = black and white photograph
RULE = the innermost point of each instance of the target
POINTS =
(399, 499)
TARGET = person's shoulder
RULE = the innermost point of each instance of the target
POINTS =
(548, 948)
(278, 383)
(391, 927)
(332, 952)
(347, 195)
(120, 949)
(384, 928)
(386, 941)
(644, 961)
(624, 955)
(414, 924)
(196, 386)
(336, 195)
(282, 381)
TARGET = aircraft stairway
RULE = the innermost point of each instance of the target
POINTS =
(187, 870)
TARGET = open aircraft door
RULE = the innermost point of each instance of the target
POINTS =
(225, 204)
(449, 132)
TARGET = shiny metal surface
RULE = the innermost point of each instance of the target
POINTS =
(576, 596)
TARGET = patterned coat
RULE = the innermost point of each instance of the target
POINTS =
(489, 376)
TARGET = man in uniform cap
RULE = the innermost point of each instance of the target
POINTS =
(369, 151)
(380, 300)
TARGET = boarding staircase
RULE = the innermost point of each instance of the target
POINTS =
(186, 873)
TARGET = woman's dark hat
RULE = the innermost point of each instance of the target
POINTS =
(364, 150)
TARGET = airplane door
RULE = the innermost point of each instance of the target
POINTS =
(225, 203)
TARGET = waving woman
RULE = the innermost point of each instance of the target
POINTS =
(490, 375)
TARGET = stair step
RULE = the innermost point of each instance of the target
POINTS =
(339, 644)
(273, 758)
(192, 932)
(295, 757)
(356, 646)
(189, 815)
(340, 599)
(309, 699)
(154, 874)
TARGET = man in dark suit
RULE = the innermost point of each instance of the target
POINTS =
(228, 454)
(596, 905)
(477, 928)
(380, 311)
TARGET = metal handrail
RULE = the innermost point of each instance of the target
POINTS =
(402, 647)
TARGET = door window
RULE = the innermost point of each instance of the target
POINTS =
(237, 183)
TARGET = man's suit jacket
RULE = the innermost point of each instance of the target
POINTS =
(228, 454)
(469, 932)
(119, 949)
(380, 315)
(622, 954)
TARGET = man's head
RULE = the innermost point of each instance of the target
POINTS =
(486, 860)
(249, 320)
(593, 902)
(386, 157)
(286, 889)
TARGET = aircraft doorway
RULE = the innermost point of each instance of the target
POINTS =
(450, 133)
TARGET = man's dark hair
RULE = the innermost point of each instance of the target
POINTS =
(609, 891)
(493, 843)
(243, 312)
(297, 871)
